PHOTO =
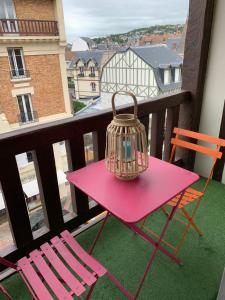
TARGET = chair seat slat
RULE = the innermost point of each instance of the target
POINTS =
(34, 280)
(189, 195)
(200, 136)
(64, 273)
(87, 277)
(83, 255)
(49, 276)
(195, 147)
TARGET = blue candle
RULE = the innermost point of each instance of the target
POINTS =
(127, 150)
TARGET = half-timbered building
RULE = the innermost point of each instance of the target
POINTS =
(145, 71)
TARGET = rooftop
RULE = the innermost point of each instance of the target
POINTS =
(158, 56)
(85, 56)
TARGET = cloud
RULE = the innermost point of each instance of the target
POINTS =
(102, 17)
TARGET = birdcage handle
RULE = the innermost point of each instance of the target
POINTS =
(125, 93)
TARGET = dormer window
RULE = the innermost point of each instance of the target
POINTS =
(167, 76)
(92, 69)
(177, 75)
(81, 72)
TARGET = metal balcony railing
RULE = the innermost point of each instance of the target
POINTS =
(19, 74)
(28, 117)
(28, 27)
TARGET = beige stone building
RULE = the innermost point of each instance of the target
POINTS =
(33, 82)
(87, 72)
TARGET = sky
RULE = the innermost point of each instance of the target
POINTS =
(94, 18)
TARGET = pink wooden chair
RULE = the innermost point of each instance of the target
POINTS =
(66, 258)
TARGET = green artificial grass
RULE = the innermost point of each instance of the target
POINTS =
(126, 255)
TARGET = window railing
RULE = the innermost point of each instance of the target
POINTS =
(28, 117)
(28, 27)
(159, 116)
(92, 75)
(19, 74)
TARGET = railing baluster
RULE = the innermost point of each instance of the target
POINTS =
(145, 122)
(171, 122)
(157, 134)
(76, 160)
(99, 142)
(48, 185)
(15, 201)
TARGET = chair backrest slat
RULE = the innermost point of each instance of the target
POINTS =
(200, 136)
(210, 152)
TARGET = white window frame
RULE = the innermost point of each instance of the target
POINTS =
(27, 120)
(17, 75)
(177, 75)
(168, 81)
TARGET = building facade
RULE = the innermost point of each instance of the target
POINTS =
(146, 71)
(87, 72)
(33, 81)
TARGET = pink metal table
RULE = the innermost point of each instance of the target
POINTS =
(132, 201)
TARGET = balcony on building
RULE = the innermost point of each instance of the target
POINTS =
(28, 27)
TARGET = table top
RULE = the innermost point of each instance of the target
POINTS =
(133, 200)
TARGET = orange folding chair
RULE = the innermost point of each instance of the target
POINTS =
(191, 194)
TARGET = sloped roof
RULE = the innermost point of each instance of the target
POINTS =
(173, 41)
(158, 56)
(89, 41)
(87, 55)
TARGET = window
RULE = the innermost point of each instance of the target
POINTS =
(16, 63)
(25, 108)
(29, 156)
(167, 75)
(93, 86)
(7, 11)
(92, 69)
(176, 74)
(81, 71)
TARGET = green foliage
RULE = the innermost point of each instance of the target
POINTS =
(157, 29)
(70, 84)
(78, 105)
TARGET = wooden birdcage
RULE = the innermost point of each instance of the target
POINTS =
(126, 153)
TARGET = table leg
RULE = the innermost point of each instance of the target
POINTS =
(147, 238)
(157, 246)
(99, 233)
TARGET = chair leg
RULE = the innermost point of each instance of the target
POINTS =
(5, 292)
(165, 211)
(190, 220)
(143, 223)
(90, 291)
(179, 245)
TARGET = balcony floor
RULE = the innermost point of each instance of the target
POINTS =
(125, 255)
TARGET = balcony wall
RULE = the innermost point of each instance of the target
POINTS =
(214, 93)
